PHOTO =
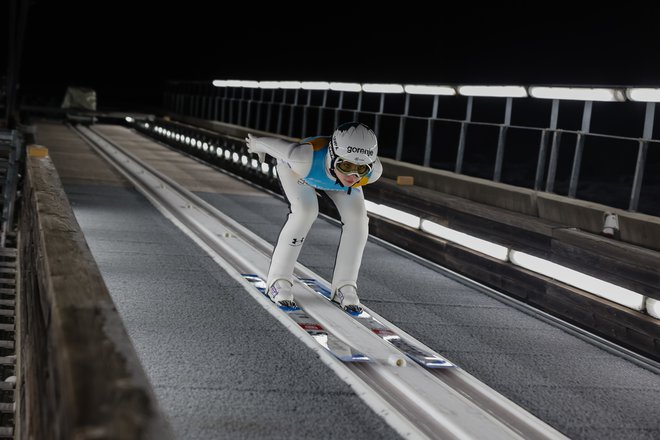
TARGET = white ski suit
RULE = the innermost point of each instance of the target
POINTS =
(303, 168)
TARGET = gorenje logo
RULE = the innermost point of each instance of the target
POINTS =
(360, 151)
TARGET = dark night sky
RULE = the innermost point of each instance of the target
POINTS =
(126, 52)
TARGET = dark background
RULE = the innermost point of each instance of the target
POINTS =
(128, 50)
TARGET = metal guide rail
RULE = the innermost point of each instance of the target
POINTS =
(7, 341)
(415, 400)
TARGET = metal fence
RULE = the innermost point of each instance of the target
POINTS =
(11, 149)
(598, 151)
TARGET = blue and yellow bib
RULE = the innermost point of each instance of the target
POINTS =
(319, 176)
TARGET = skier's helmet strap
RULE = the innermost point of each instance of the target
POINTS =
(354, 142)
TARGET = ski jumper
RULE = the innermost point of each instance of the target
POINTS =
(303, 169)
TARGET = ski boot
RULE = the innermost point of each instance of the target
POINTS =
(280, 293)
(346, 296)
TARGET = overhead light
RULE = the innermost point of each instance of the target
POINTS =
(269, 85)
(429, 90)
(485, 247)
(129, 119)
(382, 88)
(345, 87)
(577, 93)
(289, 84)
(493, 91)
(643, 94)
(601, 288)
(235, 83)
(315, 85)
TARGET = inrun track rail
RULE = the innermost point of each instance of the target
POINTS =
(416, 402)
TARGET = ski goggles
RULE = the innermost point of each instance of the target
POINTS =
(350, 168)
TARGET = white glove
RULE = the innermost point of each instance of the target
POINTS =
(253, 147)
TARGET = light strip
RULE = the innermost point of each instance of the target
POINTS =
(429, 90)
(577, 94)
(290, 84)
(493, 91)
(269, 85)
(393, 214)
(582, 281)
(653, 307)
(643, 94)
(382, 88)
(609, 291)
(474, 243)
(315, 85)
(345, 87)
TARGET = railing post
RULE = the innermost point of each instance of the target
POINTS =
(223, 112)
(501, 141)
(340, 107)
(319, 122)
(540, 164)
(292, 112)
(554, 150)
(240, 106)
(231, 105)
(280, 111)
(461, 141)
(269, 111)
(579, 149)
(261, 102)
(429, 132)
(381, 109)
(249, 108)
(305, 114)
(552, 165)
(641, 157)
(359, 106)
(402, 128)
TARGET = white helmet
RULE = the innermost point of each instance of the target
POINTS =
(354, 142)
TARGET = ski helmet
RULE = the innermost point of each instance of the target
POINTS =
(354, 142)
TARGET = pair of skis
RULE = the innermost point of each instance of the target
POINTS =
(340, 349)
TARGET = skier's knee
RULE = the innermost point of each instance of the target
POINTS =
(357, 221)
(305, 215)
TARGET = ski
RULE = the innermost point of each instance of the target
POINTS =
(325, 338)
(422, 357)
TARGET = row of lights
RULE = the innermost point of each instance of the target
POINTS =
(612, 292)
(562, 93)
(209, 148)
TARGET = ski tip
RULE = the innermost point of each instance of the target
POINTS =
(354, 358)
(435, 364)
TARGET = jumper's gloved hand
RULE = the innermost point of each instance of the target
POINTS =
(253, 147)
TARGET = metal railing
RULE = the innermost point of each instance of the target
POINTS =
(11, 146)
(483, 137)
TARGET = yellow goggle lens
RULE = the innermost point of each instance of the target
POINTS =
(349, 168)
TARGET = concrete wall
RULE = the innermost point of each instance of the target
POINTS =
(634, 228)
(79, 376)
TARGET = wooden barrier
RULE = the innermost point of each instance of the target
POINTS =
(79, 376)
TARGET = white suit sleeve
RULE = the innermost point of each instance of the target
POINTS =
(298, 156)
